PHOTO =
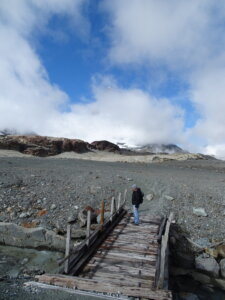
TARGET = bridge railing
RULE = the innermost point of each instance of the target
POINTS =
(75, 258)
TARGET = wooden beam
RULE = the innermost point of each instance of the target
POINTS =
(164, 246)
(97, 286)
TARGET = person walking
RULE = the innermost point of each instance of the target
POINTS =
(137, 199)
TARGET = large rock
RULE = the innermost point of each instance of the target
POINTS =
(37, 238)
(222, 267)
(82, 216)
(208, 265)
(42, 145)
(105, 146)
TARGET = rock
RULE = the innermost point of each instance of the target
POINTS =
(149, 197)
(53, 206)
(168, 198)
(129, 179)
(200, 212)
(23, 215)
(188, 296)
(208, 265)
(82, 216)
(203, 242)
(105, 146)
(221, 250)
(14, 235)
(72, 217)
(222, 267)
(220, 283)
(106, 216)
(203, 278)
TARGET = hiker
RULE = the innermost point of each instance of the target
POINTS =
(137, 199)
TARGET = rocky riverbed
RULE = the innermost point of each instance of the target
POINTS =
(45, 192)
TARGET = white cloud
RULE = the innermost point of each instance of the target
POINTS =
(118, 114)
(27, 99)
(188, 38)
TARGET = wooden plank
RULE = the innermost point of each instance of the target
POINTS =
(121, 280)
(126, 263)
(119, 256)
(143, 273)
(129, 249)
(95, 285)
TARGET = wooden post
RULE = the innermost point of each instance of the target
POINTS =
(119, 201)
(125, 196)
(112, 208)
(67, 252)
(88, 226)
(102, 212)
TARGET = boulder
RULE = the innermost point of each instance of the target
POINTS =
(208, 265)
(82, 216)
(37, 238)
(105, 146)
(222, 267)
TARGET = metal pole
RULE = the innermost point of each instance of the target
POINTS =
(112, 208)
(102, 212)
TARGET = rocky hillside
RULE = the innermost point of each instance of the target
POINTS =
(48, 146)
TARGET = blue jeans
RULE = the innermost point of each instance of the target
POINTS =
(136, 214)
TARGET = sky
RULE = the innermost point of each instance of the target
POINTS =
(132, 71)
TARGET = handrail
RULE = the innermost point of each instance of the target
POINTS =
(89, 240)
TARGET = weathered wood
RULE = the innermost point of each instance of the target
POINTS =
(102, 212)
(112, 208)
(161, 229)
(67, 252)
(75, 267)
(119, 201)
(88, 227)
(164, 244)
(97, 286)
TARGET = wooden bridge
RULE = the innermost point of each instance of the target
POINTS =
(119, 258)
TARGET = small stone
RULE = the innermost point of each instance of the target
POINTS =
(168, 198)
(23, 215)
(129, 179)
(149, 197)
(53, 206)
(76, 207)
(24, 261)
(200, 212)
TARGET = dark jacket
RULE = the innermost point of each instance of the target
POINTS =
(137, 197)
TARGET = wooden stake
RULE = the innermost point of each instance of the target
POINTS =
(67, 252)
(88, 227)
(125, 197)
(112, 208)
(119, 201)
(102, 212)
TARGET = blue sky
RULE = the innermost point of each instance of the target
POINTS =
(136, 71)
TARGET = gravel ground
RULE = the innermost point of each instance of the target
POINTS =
(59, 187)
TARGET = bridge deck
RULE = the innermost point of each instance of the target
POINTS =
(125, 263)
